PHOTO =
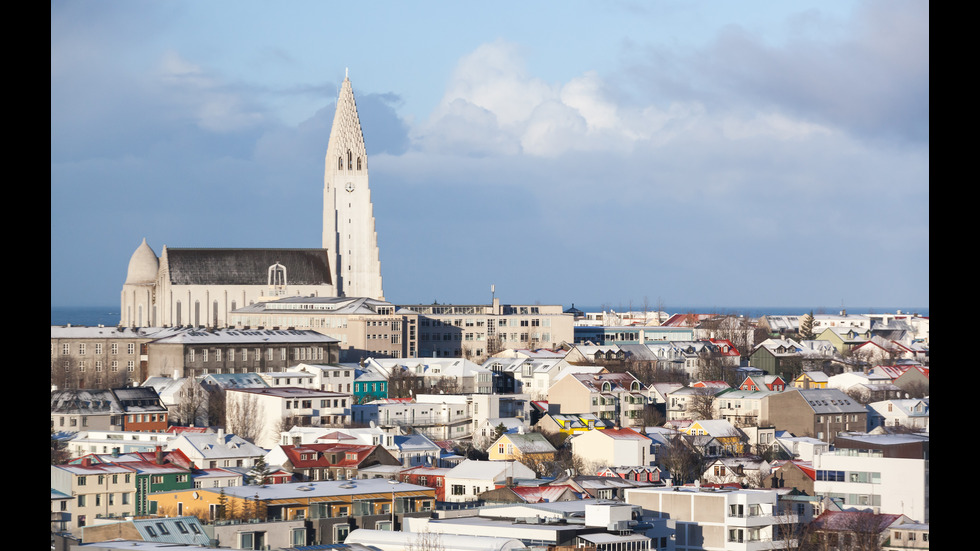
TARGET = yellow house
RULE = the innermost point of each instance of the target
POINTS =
(571, 423)
(811, 379)
(516, 446)
(727, 436)
(321, 499)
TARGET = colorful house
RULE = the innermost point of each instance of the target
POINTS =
(763, 382)
(811, 379)
(518, 446)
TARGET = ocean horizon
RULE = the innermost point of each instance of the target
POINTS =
(93, 316)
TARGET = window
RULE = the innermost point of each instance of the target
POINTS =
(163, 528)
(340, 532)
(65, 349)
(130, 348)
(114, 348)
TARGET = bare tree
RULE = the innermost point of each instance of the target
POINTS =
(192, 404)
(702, 403)
(243, 417)
(427, 541)
(681, 460)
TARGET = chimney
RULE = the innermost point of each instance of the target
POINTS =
(159, 455)
(510, 482)
(115, 452)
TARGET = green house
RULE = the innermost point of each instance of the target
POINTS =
(369, 386)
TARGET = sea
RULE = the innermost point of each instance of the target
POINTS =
(93, 316)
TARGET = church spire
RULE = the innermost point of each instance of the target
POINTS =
(348, 215)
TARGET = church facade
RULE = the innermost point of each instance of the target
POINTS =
(201, 286)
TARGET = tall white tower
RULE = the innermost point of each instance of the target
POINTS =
(349, 234)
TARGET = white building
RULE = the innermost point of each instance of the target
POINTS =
(202, 286)
(912, 413)
(438, 416)
(219, 449)
(469, 479)
(612, 448)
(868, 480)
(264, 410)
(105, 441)
(737, 520)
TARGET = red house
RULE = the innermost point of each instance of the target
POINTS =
(433, 477)
(763, 382)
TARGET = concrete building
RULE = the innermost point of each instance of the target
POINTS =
(264, 410)
(364, 327)
(743, 520)
(477, 331)
(866, 479)
(202, 286)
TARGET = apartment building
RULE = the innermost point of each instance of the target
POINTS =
(701, 518)
(866, 479)
(364, 327)
(477, 331)
(266, 408)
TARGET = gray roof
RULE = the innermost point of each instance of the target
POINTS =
(244, 336)
(105, 401)
(186, 530)
(246, 266)
(830, 400)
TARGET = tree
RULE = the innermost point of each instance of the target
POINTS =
(192, 405)
(681, 460)
(806, 326)
(222, 512)
(259, 472)
(702, 403)
(59, 450)
(243, 417)
(427, 541)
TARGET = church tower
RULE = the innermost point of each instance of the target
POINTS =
(349, 234)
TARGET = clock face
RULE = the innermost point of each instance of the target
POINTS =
(349, 186)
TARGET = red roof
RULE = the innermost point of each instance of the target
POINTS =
(318, 455)
(179, 430)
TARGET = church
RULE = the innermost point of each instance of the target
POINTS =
(200, 287)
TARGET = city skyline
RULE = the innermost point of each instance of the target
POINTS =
(605, 153)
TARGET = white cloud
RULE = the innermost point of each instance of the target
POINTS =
(216, 107)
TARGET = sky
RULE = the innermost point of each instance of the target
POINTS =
(713, 153)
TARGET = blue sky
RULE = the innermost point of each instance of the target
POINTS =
(714, 154)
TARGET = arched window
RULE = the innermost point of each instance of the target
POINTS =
(358, 163)
(177, 319)
(340, 163)
(350, 160)
(197, 313)
(214, 314)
